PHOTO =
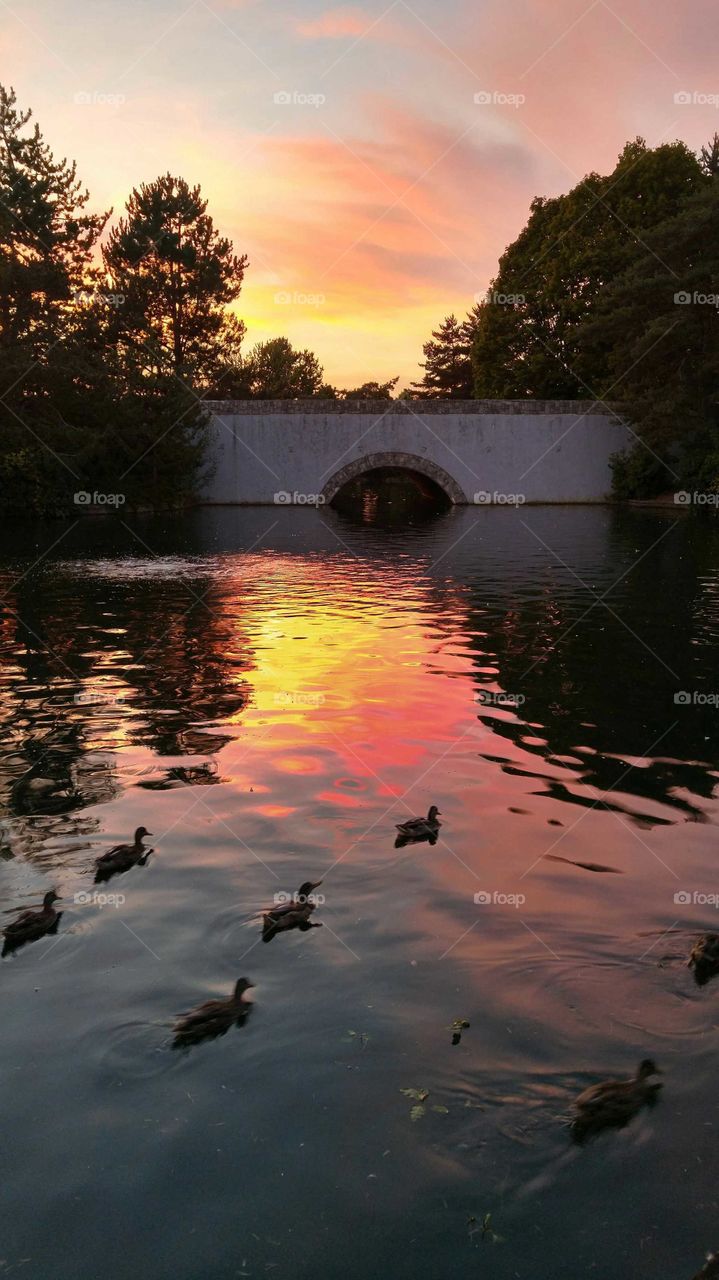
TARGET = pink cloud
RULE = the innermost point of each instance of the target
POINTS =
(336, 23)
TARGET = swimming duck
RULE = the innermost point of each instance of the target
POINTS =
(33, 924)
(420, 828)
(214, 1017)
(704, 958)
(295, 912)
(123, 856)
(613, 1104)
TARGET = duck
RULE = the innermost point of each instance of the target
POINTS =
(420, 828)
(214, 1017)
(614, 1103)
(704, 958)
(33, 924)
(295, 912)
(123, 856)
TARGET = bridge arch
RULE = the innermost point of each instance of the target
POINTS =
(403, 461)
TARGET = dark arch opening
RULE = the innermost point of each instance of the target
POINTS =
(387, 493)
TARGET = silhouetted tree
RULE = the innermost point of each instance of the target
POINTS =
(447, 364)
(275, 370)
(371, 391)
(529, 335)
(177, 277)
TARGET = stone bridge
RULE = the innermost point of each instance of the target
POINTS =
(303, 451)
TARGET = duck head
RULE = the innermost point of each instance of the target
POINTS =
(241, 986)
(50, 898)
(433, 813)
(306, 889)
(647, 1068)
(140, 834)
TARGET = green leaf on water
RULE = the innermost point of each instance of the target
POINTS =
(420, 1095)
(442, 1111)
(459, 1024)
(417, 1112)
(357, 1035)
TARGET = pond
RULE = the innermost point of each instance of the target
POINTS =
(269, 692)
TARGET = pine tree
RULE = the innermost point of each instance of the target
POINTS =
(710, 157)
(46, 238)
(447, 364)
(176, 276)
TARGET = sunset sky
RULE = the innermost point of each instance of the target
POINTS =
(379, 197)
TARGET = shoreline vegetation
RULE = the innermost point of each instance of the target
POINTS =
(115, 334)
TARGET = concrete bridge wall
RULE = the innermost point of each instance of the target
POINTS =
(538, 451)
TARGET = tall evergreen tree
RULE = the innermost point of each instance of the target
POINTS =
(177, 277)
(710, 157)
(447, 364)
(47, 239)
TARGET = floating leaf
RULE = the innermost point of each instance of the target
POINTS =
(420, 1095)
(417, 1112)
(442, 1111)
(488, 1233)
(459, 1024)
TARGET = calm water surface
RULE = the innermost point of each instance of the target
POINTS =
(269, 692)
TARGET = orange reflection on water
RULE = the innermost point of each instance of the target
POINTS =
(341, 674)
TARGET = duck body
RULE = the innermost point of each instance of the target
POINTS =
(614, 1103)
(123, 856)
(295, 912)
(214, 1017)
(704, 958)
(32, 924)
(421, 826)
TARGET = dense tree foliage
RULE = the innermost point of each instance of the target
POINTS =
(102, 367)
(447, 364)
(371, 391)
(176, 276)
(584, 305)
(275, 370)
(656, 327)
(530, 335)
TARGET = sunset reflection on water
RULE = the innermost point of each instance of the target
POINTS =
(271, 714)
